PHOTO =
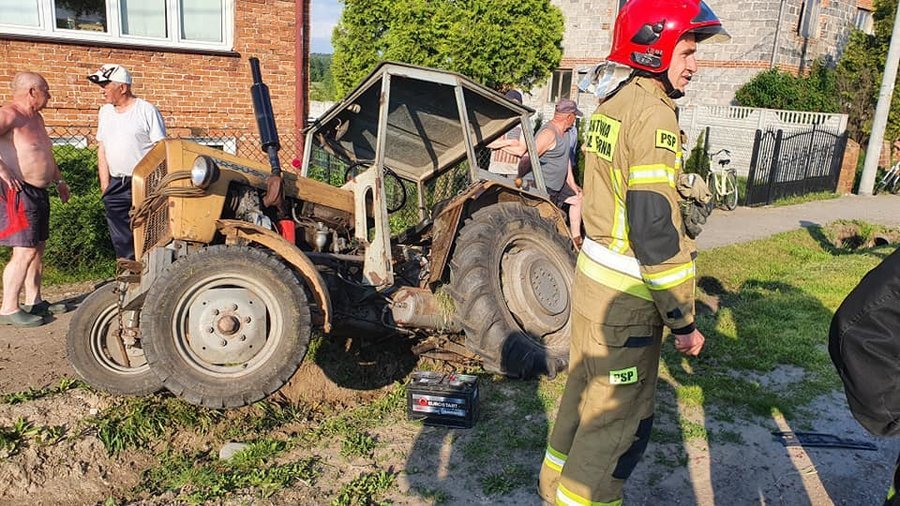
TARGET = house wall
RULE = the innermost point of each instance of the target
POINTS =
(724, 67)
(196, 93)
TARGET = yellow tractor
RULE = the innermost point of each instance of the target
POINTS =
(391, 229)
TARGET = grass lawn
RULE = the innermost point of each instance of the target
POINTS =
(764, 306)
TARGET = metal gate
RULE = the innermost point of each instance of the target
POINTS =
(794, 163)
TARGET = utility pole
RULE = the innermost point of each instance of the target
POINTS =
(873, 150)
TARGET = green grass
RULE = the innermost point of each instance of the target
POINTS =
(776, 300)
(365, 490)
(64, 385)
(136, 422)
(802, 199)
(197, 477)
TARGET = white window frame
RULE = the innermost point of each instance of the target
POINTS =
(226, 144)
(76, 141)
(47, 29)
(557, 91)
(865, 21)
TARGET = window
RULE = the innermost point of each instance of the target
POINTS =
(76, 141)
(561, 84)
(226, 144)
(864, 21)
(188, 24)
(809, 19)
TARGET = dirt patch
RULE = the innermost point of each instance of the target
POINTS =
(853, 235)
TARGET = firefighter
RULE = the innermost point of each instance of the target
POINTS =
(635, 273)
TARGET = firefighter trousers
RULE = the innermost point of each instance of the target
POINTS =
(606, 413)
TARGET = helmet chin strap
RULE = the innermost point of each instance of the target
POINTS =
(671, 91)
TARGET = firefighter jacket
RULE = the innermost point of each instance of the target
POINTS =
(636, 242)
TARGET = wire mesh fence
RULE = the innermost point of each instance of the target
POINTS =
(79, 246)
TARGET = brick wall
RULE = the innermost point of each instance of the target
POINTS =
(196, 93)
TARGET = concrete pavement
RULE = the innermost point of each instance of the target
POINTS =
(749, 223)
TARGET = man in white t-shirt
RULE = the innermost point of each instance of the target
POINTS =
(127, 128)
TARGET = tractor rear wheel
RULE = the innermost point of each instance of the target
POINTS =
(511, 279)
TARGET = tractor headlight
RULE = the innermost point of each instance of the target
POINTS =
(204, 171)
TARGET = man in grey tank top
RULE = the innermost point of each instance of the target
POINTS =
(553, 147)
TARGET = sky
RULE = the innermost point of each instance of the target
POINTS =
(324, 14)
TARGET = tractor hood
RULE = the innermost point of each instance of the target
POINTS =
(422, 132)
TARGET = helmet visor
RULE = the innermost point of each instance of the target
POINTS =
(712, 29)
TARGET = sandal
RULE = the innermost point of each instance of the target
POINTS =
(44, 308)
(21, 319)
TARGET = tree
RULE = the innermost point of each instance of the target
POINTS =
(499, 43)
(776, 89)
(859, 74)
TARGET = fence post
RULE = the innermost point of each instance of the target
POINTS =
(775, 166)
(754, 159)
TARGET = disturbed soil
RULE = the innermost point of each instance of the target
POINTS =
(751, 468)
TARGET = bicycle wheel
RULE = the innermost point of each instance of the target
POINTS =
(730, 199)
(711, 184)
(883, 183)
(893, 185)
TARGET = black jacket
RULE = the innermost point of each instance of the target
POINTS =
(864, 343)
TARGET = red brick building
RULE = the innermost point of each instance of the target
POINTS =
(189, 57)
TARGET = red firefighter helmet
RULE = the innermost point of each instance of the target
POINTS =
(647, 30)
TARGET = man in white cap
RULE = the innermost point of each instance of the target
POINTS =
(128, 127)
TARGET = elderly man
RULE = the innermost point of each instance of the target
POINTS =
(27, 168)
(127, 128)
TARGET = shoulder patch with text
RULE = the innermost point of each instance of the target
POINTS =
(623, 376)
(666, 140)
(602, 134)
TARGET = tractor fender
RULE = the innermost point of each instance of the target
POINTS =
(477, 196)
(234, 230)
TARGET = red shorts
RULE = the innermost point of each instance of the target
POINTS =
(24, 216)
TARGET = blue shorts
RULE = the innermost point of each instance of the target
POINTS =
(24, 216)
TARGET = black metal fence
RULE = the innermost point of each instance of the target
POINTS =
(785, 164)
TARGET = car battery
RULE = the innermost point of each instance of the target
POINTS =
(445, 400)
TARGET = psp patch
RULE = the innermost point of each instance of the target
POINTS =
(666, 140)
(623, 376)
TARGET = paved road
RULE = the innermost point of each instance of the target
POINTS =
(746, 224)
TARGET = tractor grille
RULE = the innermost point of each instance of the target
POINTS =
(156, 227)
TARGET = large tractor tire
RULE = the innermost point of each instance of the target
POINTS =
(228, 326)
(511, 279)
(97, 353)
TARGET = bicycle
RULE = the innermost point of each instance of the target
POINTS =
(890, 181)
(722, 181)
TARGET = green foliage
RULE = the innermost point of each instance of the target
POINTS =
(197, 479)
(321, 81)
(698, 161)
(365, 489)
(79, 246)
(79, 240)
(776, 89)
(135, 422)
(359, 444)
(859, 74)
(78, 167)
(518, 41)
(31, 394)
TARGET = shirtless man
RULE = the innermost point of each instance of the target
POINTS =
(27, 168)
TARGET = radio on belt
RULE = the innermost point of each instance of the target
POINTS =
(446, 400)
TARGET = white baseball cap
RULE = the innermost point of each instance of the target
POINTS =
(110, 72)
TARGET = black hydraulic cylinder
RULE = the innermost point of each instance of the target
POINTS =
(265, 119)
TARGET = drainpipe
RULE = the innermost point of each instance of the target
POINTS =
(301, 55)
(773, 62)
